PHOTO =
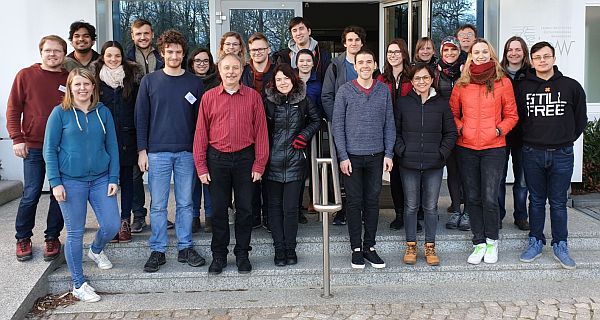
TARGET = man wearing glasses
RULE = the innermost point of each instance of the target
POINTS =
(466, 34)
(553, 113)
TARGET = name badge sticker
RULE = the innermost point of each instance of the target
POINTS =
(190, 98)
(62, 88)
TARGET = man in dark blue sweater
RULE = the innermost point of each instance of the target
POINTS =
(166, 112)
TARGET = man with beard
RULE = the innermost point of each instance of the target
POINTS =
(142, 50)
(83, 37)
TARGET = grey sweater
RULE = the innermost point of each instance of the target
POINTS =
(363, 124)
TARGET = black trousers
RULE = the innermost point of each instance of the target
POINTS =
(283, 212)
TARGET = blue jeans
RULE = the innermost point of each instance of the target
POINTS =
(548, 175)
(199, 189)
(34, 170)
(74, 210)
(519, 186)
(161, 166)
(481, 172)
(413, 182)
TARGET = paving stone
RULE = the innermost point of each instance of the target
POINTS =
(84, 316)
(199, 312)
(102, 315)
(565, 315)
(582, 305)
(132, 315)
(290, 315)
(117, 315)
(550, 301)
(182, 313)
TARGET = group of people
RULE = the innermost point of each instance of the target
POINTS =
(237, 131)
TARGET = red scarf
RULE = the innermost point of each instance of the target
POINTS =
(258, 76)
(483, 73)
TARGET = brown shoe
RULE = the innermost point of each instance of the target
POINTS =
(208, 225)
(311, 208)
(125, 231)
(410, 255)
(51, 249)
(24, 249)
(430, 256)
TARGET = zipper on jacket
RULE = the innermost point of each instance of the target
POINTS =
(422, 125)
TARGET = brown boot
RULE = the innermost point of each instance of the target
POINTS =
(430, 255)
(410, 255)
(125, 231)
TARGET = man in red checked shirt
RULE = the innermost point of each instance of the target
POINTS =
(231, 149)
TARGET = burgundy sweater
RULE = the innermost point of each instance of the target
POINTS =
(35, 92)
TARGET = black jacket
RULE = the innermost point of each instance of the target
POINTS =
(248, 77)
(210, 81)
(287, 117)
(514, 138)
(322, 57)
(553, 112)
(425, 133)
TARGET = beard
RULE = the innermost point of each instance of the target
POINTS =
(83, 51)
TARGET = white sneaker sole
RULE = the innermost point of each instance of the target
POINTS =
(474, 260)
(490, 261)
(564, 265)
(357, 266)
(532, 259)
(377, 265)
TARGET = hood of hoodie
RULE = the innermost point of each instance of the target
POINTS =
(296, 95)
(531, 75)
(294, 47)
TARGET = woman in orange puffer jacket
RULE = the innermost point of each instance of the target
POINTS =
(484, 109)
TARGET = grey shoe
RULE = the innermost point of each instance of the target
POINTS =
(453, 221)
(464, 224)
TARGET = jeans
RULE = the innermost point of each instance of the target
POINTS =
(413, 182)
(139, 194)
(454, 182)
(231, 170)
(481, 172)
(362, 191)
(283, 212)
(200, 189)
(548, 175)
(126, 182)
(74, 210)
(519, 187)
(34, 170)
(396, 188)
(161, 166)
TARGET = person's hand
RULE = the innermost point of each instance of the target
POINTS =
(112, 189)
(205, 178)
(256, 176)
(346, 167)
(143, 160)
(387, 164)
(21, 150)
(299, 142)
(59, 193)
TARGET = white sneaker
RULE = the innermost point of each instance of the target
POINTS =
(86, 293)
(491, 251)
(478, 253)
(100, 259)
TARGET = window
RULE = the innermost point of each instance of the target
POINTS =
(448, 15)
(592, 47)
(273, 23)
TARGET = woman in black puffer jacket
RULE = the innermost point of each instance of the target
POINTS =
(292, 121)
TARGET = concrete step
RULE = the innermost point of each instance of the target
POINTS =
(10, 190)
(128, 276)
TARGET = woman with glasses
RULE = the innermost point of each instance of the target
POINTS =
(231, 42)
(484, 108)
(425, 136)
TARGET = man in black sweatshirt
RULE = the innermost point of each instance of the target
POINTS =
(553, 113)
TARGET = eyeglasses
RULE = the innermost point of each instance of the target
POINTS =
(258, 50)
(467, 35)
(231, 44)
(545, 57)
(394, 52)
(201, 61)
(423, 78)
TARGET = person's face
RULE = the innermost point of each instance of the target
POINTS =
(543, 60)
(232, 45)
(173, 55)
(82, 40)
(480, 53)
(52, 54)
(81, 89)
(300, 34)
(283, 83)
(394, 55)
(259, 51)
(230, 71)
(450, 54)
(466, 38)
(142, 36)
(364, 66)
(353, 43)
(515, 53)
(425, 52)
(112, 57)
(201, 63)
(305, 63)
(422, 81)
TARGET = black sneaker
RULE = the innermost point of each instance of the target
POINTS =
(465, 223)
(196, 225)
(340, 218)
(243, 265)
(217, 265)
(398, 223)
(358, 259)
(302, 219)
(454, 220)
(279, 258)
(155, 261)
(256, 224)
(191, 257)
(138, 224)
(291, 257)
(170, 225)
(371, 255)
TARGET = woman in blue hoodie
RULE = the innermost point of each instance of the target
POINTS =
(82, 164)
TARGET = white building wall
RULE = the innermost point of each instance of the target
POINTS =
(22, 24)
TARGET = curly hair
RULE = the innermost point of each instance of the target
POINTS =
(360, 32)
(171, 36)
(82, 24)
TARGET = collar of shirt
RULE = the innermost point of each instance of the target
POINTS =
(241, 90)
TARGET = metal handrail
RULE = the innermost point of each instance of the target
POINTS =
(321, 197)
